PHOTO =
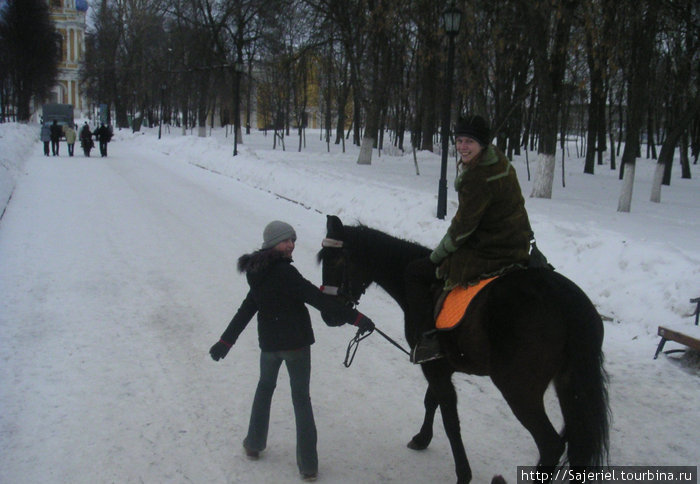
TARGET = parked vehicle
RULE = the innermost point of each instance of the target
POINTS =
(61, 113)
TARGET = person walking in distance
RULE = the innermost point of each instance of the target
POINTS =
(104, 136)
(56, 133)
(70, 135)
(86, 139)
(45, 136)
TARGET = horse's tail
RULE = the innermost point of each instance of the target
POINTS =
(582, 388)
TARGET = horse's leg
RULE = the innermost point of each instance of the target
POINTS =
(528, 407)
(440, 379)
(422, 439)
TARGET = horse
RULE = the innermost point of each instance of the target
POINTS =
(526, 329)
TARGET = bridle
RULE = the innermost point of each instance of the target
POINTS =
(345, 289)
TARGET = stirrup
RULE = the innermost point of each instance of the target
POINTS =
(427, 349)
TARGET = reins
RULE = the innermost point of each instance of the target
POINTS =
(359, 336)
(352, 347)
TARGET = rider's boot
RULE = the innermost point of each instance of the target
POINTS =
(427, 349)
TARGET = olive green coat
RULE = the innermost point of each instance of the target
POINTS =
(490, 232)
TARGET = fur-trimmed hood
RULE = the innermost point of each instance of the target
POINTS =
(278, 295)
(260, 260)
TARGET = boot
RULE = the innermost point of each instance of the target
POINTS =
(427, 349)
(250, 453)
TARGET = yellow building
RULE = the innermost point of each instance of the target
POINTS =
(69, 18)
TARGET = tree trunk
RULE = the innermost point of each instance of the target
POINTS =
(593, 140)
(625, 201)
(656, 182)
(550, 64)
(643, 27)
(429, 102)
(651, 144)
(685, 159)
(365, 157)
(373, 103)
(602, 140)
(342, 97)
(544, 176)
(662, 175)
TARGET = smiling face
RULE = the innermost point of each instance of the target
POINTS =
(286, 247)
(468, 148)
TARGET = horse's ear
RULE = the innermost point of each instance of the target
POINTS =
(334, 227)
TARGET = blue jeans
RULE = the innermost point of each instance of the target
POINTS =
(299, 368)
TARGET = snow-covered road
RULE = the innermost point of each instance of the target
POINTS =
(118, 273)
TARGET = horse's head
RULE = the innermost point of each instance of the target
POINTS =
(342, 275)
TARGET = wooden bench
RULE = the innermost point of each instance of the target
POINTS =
(674, 334)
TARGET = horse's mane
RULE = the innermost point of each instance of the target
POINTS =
(381, 249)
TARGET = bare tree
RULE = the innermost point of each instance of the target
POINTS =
(642, 18)
(529, 65)
(30, 47)
(551, 29)
(598, 42)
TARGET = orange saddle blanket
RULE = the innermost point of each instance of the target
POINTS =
(455, 304)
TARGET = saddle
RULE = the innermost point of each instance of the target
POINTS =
(452, 306)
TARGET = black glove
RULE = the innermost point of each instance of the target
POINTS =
(219, 350)
(332, 318)
(363, 323)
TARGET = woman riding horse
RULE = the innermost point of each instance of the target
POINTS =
(489, 235)
(528, 330)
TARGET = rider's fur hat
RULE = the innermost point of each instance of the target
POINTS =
(474, 127)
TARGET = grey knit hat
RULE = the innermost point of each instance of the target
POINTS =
(277, 232)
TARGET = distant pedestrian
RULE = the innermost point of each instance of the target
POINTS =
(70, 135)
(86, 139)
(56, 133)
(104, 136)
(46, 137)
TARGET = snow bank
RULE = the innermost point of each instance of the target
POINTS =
(16, 141)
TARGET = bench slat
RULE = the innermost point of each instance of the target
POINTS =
(679, 337)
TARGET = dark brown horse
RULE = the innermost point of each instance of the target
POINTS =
(525, 330)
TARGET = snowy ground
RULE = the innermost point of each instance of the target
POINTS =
(118, 273)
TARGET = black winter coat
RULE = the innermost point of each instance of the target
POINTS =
(56, 132)
(103, 134)
(279, 294)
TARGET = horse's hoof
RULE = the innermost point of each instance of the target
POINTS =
(465, 480)
(413, 444)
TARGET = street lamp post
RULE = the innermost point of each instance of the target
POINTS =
(162, 97)
(239, 69)
(451, 18)
(163, 87)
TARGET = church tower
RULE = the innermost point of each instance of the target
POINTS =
(68, 17)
